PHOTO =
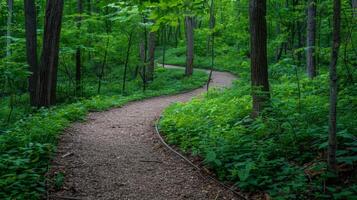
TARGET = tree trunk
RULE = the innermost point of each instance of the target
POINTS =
(332, 147)
(212, 24)
(127, 60)
(143, 53)
(89, 7)
(10, 7)
(163, 41)
(31, 46)
(354, 8)
(78, 51)
(102, 68)
(311, 38)
(179, 29)
(47, 76)
(151, 54)
(190, 45)
(300, 43)
(259, 63)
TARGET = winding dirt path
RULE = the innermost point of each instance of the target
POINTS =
(116, 155)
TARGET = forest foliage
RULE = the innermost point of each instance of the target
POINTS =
(108, 51)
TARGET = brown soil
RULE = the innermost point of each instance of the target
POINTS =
(117, 155)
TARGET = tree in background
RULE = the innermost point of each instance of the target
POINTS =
(151, 55)
(190, 45)
(212, 24)
(31, 46)
(311, 38)
(47, 75)
(78, 50)
(259, 63)
(332, 147)
(10, 7)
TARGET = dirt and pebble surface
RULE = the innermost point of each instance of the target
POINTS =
(117, 155)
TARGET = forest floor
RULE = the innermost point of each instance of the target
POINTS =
(117, 155)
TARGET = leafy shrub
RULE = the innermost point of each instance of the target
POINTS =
(283, 151)
(27, 146)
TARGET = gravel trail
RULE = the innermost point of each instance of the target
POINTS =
(117, 155)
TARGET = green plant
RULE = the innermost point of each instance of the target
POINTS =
(282, 152)
(27, 146)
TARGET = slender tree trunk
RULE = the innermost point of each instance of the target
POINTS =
(177, 32)
(127, 60)
(104, 63)
(332, 147)
(31, 46)
(311, 38)
(151, 54)
(78, 71)
(89, 7)
(300, 40)
(212, 24)
(190, 45)
(144, 50)
(163, 41)
(259, 64)
(10, 7)
(78, 51)
(354, 7)
(47, 76)
(179, 29)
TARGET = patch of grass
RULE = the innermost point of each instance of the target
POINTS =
(28, 145)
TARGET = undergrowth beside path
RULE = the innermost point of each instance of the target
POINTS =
(283, 151)
(28, 145)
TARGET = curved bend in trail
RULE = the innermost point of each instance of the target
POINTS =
(116, 155)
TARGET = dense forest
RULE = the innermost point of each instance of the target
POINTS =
(285, 129)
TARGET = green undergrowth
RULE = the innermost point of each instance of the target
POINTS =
(225, 61)
(28, 145)
(283, 151)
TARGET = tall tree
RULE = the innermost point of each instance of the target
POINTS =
(311, 38)
(126, 64)
(259, 63)
(31, 46)
(143, 49)
(151, 55)
(163, 44)
(332, 147)
(47, 75)
(212, 24)
(78, 51)
(190, 45)
(10, 7)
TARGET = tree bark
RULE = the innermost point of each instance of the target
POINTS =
(47, 76)
(163, 41)
(259, 63)
(190, 45)
(311, 38)
(10, 7)
(31, 46)
(151, 54)
(78, 51)
(127, 60)
(212, 24)
(143, 53)
(332, 147)
(102, 68)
